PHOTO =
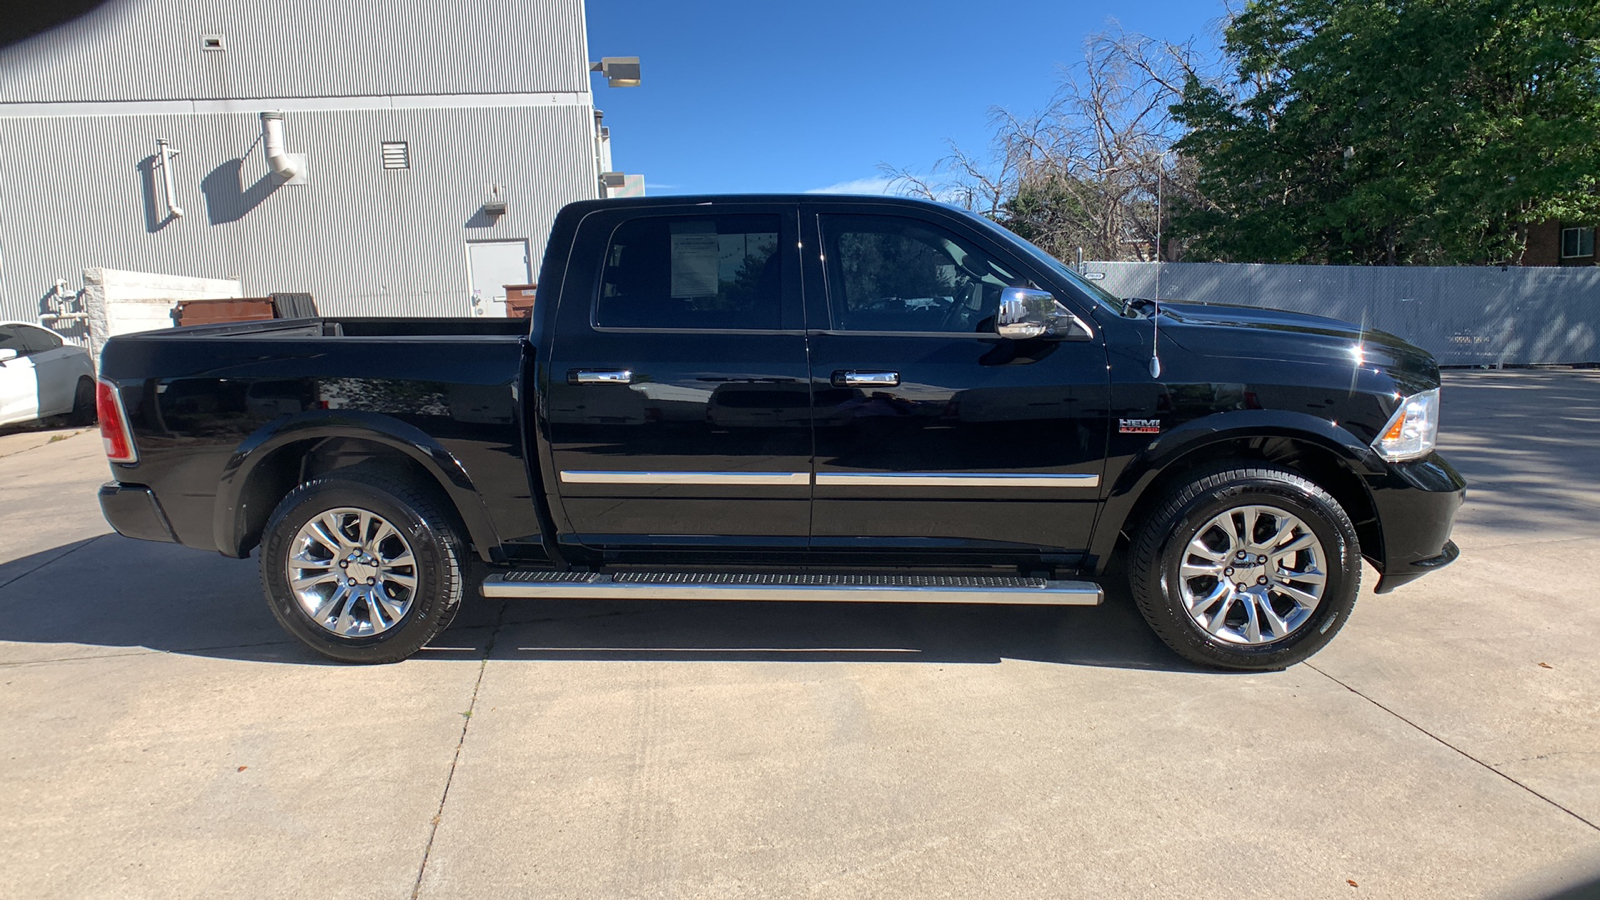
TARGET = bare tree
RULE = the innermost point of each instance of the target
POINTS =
(1085, 171)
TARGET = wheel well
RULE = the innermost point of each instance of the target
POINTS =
(294, 464)
(1317, 464)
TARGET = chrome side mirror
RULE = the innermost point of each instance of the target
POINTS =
(1029, 313)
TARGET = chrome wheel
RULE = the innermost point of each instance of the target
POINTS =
(352, 572)
(1252, 575)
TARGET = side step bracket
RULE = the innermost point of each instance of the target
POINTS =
(829, 588)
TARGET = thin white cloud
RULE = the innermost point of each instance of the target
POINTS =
(876, 185)
(651, 185)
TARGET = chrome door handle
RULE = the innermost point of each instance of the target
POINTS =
(600, 376)
(854, 378)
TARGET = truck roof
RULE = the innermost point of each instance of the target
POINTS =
(715, 199)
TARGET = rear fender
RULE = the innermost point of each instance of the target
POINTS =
(232, 516)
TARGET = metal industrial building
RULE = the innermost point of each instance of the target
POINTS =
(424, 149)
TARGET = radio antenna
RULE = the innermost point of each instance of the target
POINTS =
(1155, 311)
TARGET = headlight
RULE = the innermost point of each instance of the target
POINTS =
(1412, 430)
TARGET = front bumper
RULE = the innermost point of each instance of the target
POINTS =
(132, 510)
(1416, 503)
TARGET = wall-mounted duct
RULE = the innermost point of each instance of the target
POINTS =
(167, 153)
(291, 167)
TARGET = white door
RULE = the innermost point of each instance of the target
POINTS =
(491, 265)
(19, 381)
(57, 367)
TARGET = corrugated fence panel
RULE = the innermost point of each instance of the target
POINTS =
(85, 192)
(1462, 315)
(151, 50)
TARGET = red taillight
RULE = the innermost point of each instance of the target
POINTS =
(113, 424)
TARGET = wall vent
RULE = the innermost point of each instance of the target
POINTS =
(396, 155)
(213, 43)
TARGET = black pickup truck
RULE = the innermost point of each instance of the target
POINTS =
(793, 398)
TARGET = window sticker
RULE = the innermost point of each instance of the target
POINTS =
(695, 256)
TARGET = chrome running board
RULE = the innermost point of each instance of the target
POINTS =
(830, 588)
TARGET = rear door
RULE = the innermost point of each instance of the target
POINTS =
(677, 409)
(932, 432)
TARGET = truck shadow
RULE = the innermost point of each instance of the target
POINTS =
(110, 592)
(1112, 635)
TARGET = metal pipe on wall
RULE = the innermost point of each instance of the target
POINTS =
(167, 153)
(272, 145)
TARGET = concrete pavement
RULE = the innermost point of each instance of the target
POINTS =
(164, 739)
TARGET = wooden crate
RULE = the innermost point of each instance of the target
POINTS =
(519, 300)
(210, 312)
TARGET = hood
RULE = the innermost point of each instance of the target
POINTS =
(1249, 332)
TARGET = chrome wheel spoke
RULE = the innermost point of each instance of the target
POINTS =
(1220, 619)
(1198, 547)
(364, 527)
(1192, 570)
(1201, 604)
(385, 531)
(1285, 528)
(346, 620)
(306, 581)
(322, 612)
(1275, 623)
(1247, 526)
(404, 560)
(392, 608)
(326, 531)
(310, 562)
(1308, 576)
(1303, 598)
(406, 581)
(1303, 542)
(377, 612)
(1252, 619)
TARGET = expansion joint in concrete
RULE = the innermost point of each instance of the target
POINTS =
(22, 575)
(1453, 747)
(466, 723)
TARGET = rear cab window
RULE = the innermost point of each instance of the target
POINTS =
(701, 272)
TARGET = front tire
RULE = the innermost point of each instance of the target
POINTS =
(360, 568)
(1246, 567)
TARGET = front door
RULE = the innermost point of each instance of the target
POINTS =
(677, 399)
(932, 432)
(491, 265)
(19, 380)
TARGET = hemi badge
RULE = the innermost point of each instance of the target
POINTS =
(1139, 426)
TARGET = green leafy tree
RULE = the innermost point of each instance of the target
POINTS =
(1393, 131)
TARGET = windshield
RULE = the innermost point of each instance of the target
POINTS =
(1090, 289)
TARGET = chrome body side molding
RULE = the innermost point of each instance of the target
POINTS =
(768, 479)
(976, 479)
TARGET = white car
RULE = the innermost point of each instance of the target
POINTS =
(42, 375)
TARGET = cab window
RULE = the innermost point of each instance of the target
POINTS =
(692, 272)
(888, 273)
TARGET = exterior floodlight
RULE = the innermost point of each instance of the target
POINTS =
(620, 71)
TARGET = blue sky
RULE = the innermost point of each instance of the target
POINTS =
(745, 97)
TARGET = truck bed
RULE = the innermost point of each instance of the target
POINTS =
(443, 387)
(354, 326)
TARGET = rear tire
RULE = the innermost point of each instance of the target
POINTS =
(1247, 567)
(361, 568)
(83, 405)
